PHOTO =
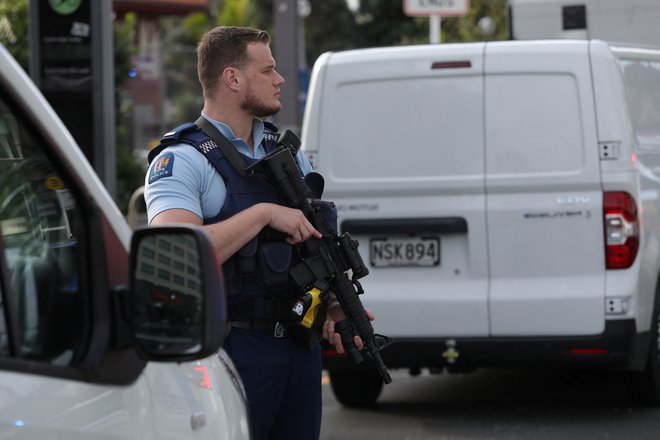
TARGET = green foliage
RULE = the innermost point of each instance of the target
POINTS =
(194, 26)
(182, 88)
(130, 175)
(14, 30)
(463, 29)
(234, 13)
(383, 23)
(187, 105)
(329, 26)
(129, 171)
(124, 36)
(260, 15)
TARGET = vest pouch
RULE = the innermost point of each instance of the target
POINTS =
(328, 213)
(246, 262)
(228, 269)
(274, 259)
(232, 280)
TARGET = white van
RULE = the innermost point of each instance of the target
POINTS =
(506, 198)
(86, 311)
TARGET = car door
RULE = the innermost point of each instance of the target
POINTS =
(46, 297)
(61, 325)
(400, 144)
(544, 192)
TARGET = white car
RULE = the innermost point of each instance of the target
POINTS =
(100, 336)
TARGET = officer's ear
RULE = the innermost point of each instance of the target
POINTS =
(230, 76)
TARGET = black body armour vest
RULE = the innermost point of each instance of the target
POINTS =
(257, 276)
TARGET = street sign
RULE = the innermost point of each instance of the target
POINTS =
(442, 8)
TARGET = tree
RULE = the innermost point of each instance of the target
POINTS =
(467, 28)
(14, 30)
(182, 88)
(383, 23)
(329, 26)
(261, 14)
(129, 172)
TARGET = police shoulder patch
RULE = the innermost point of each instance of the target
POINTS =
(162, 167)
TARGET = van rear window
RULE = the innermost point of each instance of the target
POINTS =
(405, 127)
(534, 124)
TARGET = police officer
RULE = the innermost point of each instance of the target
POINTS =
(190, 180)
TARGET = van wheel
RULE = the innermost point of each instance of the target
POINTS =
(356, 388)
(645, 386)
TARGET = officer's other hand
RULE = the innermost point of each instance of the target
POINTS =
(292, 222)
(336, 314)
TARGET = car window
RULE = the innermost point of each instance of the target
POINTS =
(642, 78)
(39, 227)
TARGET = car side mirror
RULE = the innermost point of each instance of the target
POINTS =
(177, 294)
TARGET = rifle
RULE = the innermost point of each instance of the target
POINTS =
(324, 262)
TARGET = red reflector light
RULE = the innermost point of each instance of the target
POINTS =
(451, 65)
(588, 351)
(621, 229)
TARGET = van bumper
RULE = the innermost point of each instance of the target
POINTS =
(619, 347)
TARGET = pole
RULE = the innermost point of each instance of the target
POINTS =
(103, 95)
(434, 29)
(286, 55)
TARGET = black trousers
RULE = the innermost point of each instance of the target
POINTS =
(283, 384)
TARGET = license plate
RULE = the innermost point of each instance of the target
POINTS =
(405, 252)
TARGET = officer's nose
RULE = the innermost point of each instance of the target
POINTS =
(279, 80)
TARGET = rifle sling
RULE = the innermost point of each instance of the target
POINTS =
(228, 150)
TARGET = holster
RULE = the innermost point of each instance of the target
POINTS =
(307, 315)
(307, 338)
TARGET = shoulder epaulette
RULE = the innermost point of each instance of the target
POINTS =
(170, 138)
(173, 136)
(270, 132)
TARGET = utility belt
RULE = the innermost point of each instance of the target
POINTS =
(271, 313)
(258, 309)
(300, 318)
(270, 327)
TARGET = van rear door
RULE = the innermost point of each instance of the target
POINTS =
(399, 140)
(544, 195)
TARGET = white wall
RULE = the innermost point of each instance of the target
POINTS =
(626, 21)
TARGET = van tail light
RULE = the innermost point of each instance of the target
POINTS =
(621, 229)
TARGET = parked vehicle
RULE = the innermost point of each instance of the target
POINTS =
(505, 195)
(104, 333)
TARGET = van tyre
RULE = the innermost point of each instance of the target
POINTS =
(356, 388)
(645, 386)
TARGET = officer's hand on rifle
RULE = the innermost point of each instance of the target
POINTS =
(292, 222)
(336, 314)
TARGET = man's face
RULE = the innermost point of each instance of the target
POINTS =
(262, 91)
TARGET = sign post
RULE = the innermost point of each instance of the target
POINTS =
(434, 9)
(71, 61)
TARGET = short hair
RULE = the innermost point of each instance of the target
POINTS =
(222, 47)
